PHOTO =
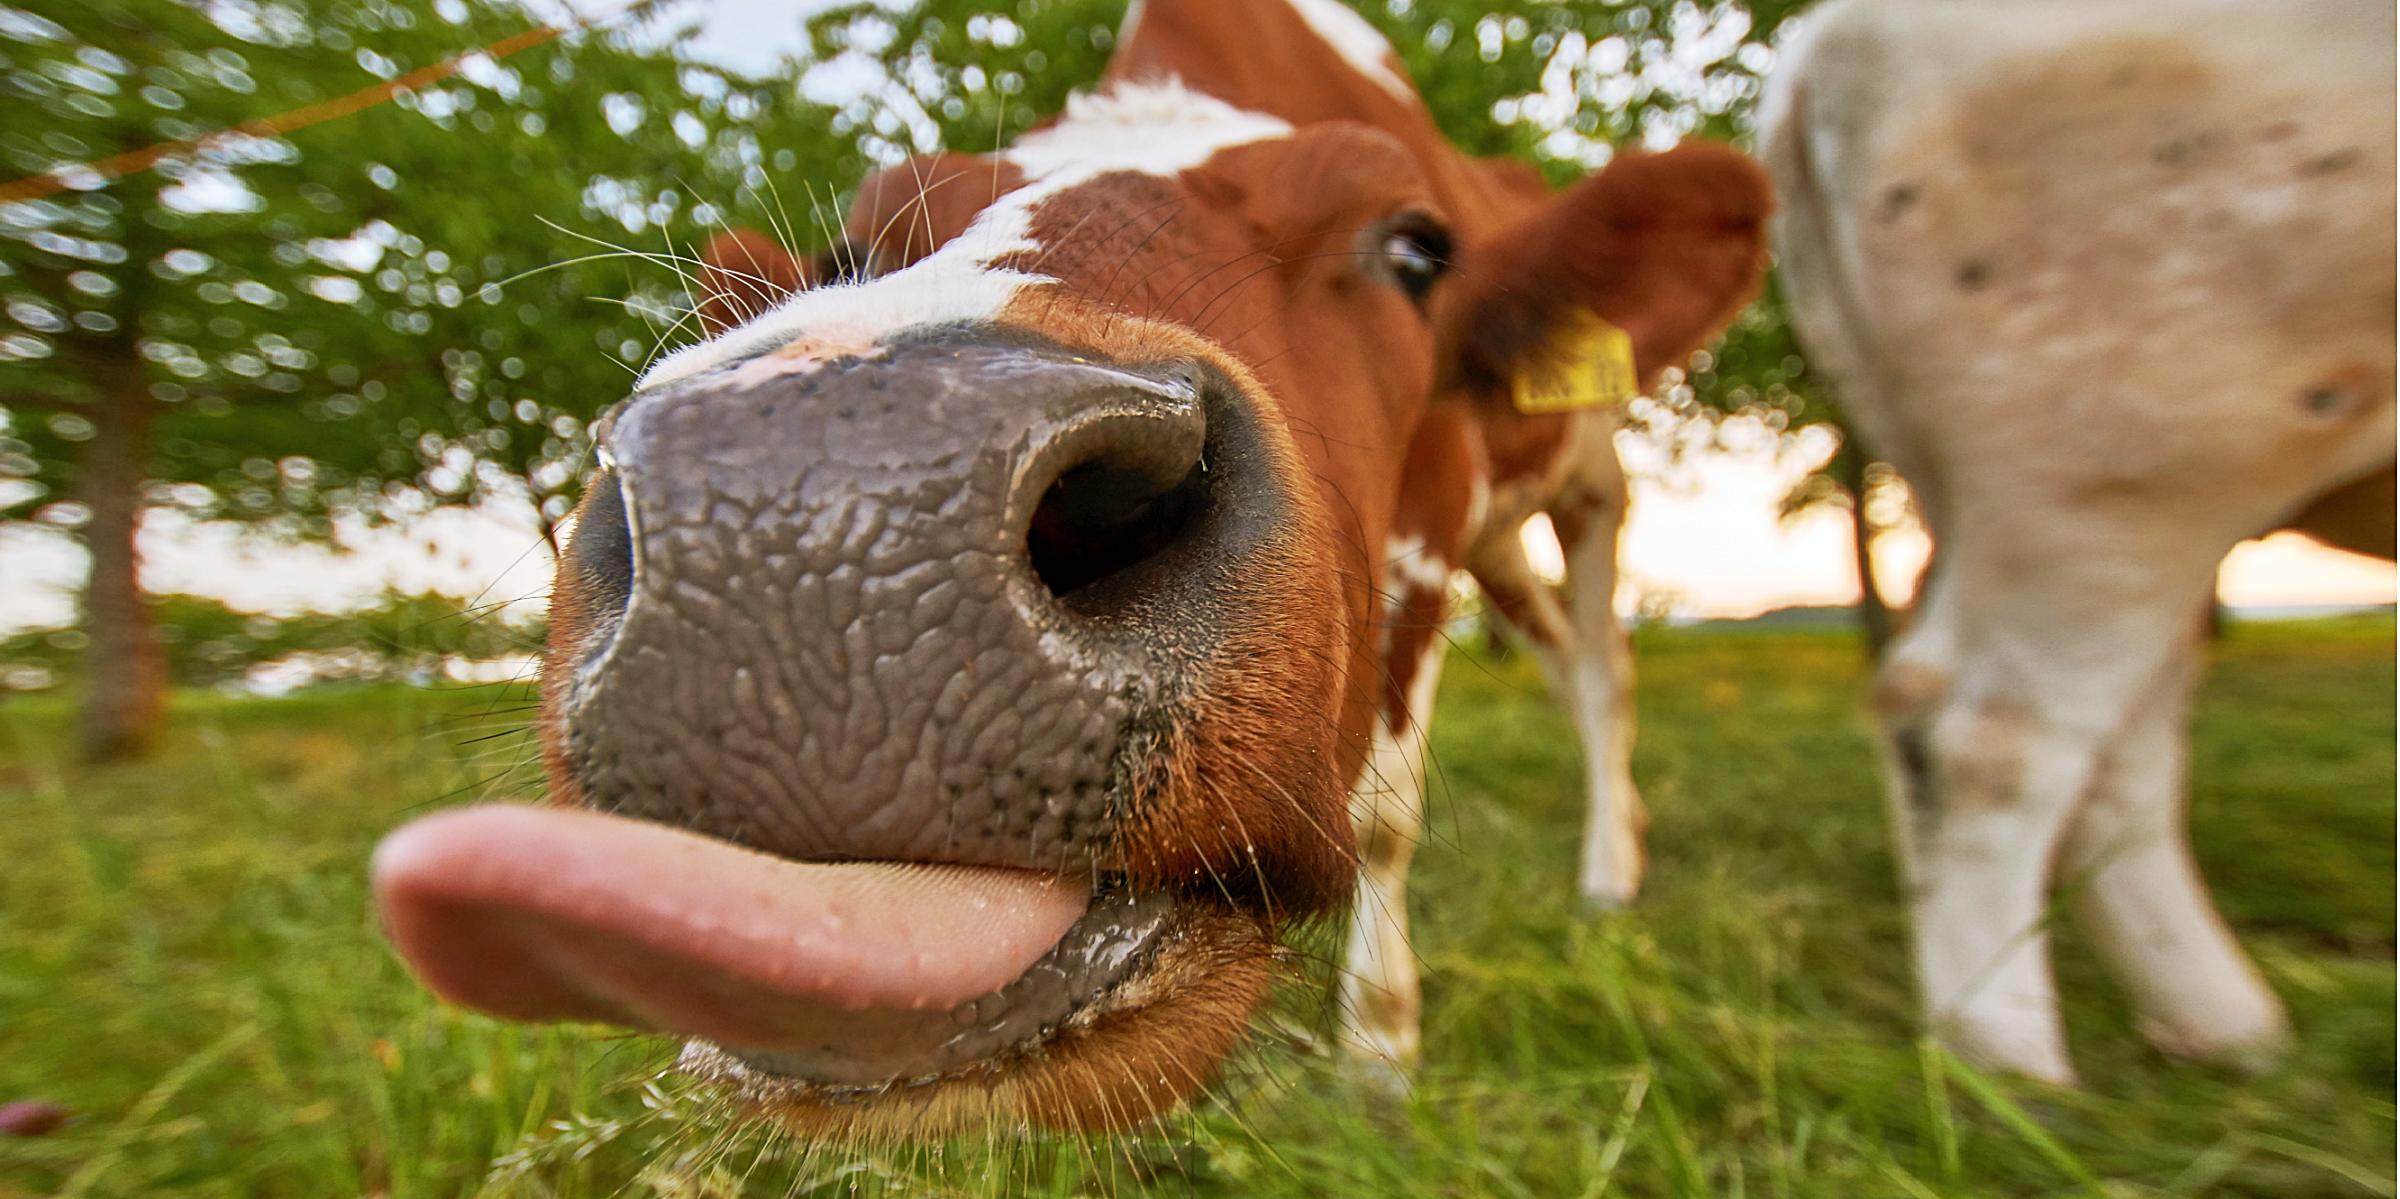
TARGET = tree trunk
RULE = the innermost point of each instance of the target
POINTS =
(1874, 615)
(127, 700)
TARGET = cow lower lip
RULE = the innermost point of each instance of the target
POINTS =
(1112, 943)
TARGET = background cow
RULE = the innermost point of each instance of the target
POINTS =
(2111, 286)
(1019, 616)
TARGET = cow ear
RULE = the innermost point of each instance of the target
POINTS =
(1665, 248)
(744, 272)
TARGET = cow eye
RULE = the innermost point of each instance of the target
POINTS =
(1415, 252)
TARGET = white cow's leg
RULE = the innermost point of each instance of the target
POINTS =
(1381, 1002)
(2001, 707)
(1583, 652)
(1549, 628)
(1987, 809)
(1594, 675)
(2129, 864)
(1981, 793)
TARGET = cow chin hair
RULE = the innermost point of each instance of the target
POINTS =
(1137, 1055)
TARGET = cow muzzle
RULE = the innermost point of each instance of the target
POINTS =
(893, 686)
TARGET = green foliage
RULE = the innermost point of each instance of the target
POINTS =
(398, 637)
(1560, 84)
(190, 967)
(957, 74)
(406, 307)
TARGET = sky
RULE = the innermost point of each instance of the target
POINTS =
(1704, 539)
(747, 35)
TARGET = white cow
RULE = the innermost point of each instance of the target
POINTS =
(2112, 286)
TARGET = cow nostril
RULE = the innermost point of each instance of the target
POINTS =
(1100, 520)
(602, 548)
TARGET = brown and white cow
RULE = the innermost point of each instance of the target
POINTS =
(966, 668)
(2111, 286)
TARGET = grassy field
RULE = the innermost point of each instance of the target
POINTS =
(187, 962)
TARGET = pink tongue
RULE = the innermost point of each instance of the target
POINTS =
(556, 914)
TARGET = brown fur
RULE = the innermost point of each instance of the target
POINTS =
(742, 273)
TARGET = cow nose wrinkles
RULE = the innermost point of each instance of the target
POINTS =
(909, 606)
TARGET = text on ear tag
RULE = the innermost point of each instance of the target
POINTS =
(1590, 365)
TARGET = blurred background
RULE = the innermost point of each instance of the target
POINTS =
(306, 307)
(326, 378)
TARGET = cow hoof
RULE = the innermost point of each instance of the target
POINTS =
(2255, 1052)
(1610, 881)
(2056, 1074)
(2033, 1063)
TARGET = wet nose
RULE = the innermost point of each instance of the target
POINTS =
(919, 604)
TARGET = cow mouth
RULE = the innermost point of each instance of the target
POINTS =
(820, 989)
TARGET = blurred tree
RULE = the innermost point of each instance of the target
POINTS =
(205, 643)
(352, 321)
(396, 310)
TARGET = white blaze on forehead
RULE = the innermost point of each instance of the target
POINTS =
(1160, 129)
(1151, 128)
(1357, 42)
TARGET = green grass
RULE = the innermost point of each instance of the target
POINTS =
(187, 962)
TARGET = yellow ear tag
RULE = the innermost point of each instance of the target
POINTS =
(1590, 366)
